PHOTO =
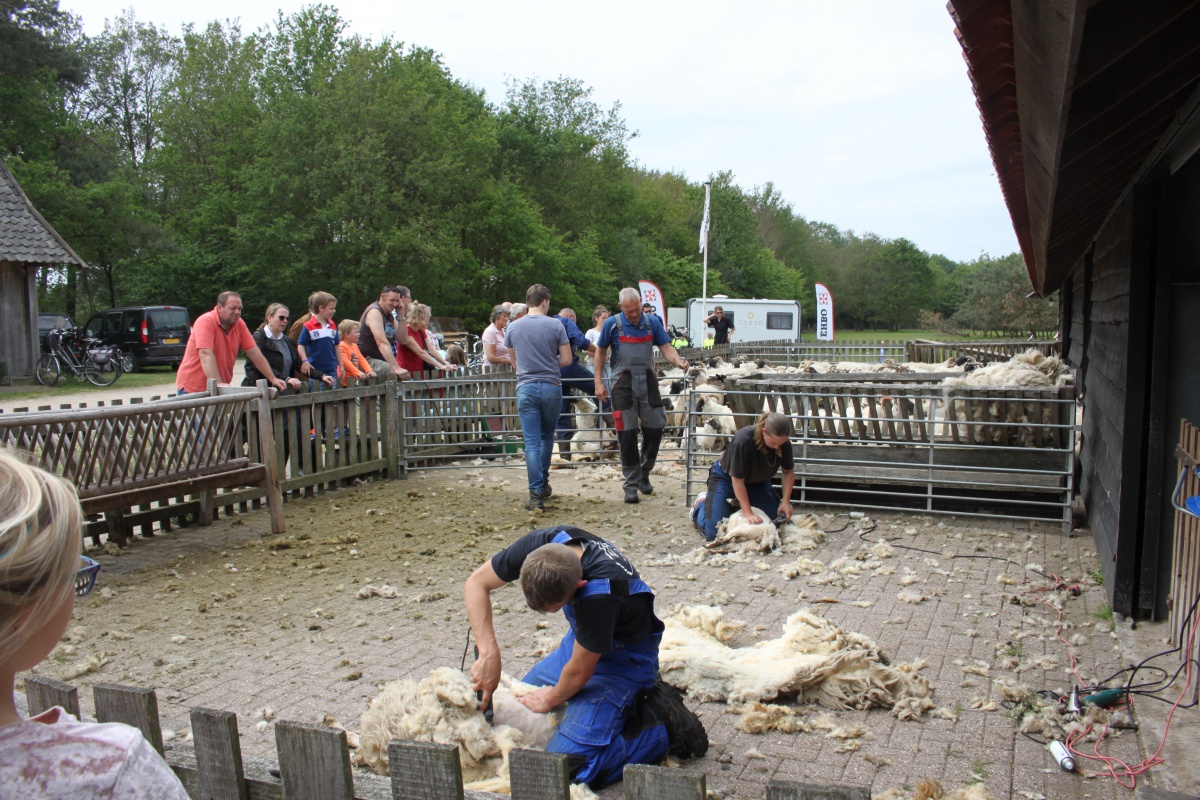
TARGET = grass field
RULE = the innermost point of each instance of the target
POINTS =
(846, 336)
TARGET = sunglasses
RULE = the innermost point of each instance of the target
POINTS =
(285, 319)
(85, 576)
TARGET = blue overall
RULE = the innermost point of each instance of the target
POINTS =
(595, 716)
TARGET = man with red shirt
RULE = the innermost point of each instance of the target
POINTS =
(217, 336)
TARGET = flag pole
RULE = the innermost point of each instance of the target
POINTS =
(704, 249)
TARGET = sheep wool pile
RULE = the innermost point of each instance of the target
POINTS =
(442, 708)
(813, 661)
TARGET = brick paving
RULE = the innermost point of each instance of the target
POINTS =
(252, 650)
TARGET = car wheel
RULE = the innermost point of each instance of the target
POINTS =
(128, 362)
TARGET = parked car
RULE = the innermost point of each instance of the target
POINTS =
(147, 335)
(48, 321)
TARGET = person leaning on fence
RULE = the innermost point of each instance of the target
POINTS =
(495, 354)
(319, 340)
(281, 353)
(743, 475)
(353, 361)
(606, 667)
(636, 401)
(417, 354)
(380, 332)
(212, 348)
(42, 571)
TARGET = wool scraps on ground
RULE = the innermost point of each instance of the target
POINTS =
(813, 661)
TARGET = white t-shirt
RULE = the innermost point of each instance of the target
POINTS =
(52, 756)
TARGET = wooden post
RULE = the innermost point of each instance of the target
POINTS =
(115, 520)
(790, 790)
(314, 762)
(644, 782)
(424, 771)
(135, 707)
(44, 693)
(391, 428)
(218, 755)
(266, 449)
(535, 775)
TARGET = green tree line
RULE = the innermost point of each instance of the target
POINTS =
(301, 157)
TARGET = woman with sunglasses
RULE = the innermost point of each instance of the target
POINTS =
(281, 353)
(42, 571)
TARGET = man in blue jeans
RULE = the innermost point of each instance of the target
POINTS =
(539, 344)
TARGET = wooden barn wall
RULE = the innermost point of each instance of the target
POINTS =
(18, 319)
(1099, 350)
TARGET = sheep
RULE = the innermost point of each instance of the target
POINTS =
(814, 661)
(715, 425)
(591, 436)
(443, 708)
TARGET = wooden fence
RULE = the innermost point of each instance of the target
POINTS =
(1185, 559)
(314, 760)
(926, 351)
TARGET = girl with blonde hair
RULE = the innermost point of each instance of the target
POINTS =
(42, 571)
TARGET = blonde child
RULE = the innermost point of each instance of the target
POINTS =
(354, 362)
(318, 344)
(41, 573)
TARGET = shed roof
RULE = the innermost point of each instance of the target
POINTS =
(1077, 97)
(25, 236)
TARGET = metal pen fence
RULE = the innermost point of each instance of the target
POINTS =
(926, 351)
(910, 443)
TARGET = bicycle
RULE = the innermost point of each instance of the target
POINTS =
(83, 357)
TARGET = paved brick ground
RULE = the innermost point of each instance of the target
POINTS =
(276, 651)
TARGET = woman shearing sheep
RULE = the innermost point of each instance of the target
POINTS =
(744, 474)
(41, 573)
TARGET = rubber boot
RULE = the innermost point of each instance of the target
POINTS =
(651, 439)
(564, 449)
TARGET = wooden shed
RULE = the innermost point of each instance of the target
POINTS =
(1091, 109)
(27, 242)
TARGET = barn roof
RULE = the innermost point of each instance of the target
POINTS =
(1078, 98)
(25, 236)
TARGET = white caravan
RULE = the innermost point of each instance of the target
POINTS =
(753, 320)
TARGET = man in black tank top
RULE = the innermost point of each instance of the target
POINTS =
(381, 333)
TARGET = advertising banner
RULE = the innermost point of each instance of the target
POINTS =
(652, 295)
(824, 314)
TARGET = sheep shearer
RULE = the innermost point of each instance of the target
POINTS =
(632, 336)
(606, 666)
(743, 475)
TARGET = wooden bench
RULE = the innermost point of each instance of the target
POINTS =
(124, 456)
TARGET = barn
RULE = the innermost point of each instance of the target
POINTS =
(27, 242)
(1090, 109)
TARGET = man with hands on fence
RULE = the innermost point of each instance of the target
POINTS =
(606, 666)
(213, 346)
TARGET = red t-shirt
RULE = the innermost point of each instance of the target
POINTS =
(208, 333)
(407, 358)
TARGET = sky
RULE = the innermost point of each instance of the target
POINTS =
(861, 113)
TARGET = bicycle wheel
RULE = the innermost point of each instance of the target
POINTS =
(103, 375)
(128, 362)
(48, 370)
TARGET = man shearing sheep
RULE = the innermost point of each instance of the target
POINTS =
(606, 667)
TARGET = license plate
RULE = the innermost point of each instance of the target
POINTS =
(170, 341)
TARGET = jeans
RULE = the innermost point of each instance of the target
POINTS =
(538, 405)
(720, 489)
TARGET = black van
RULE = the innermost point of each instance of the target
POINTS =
(151, 335)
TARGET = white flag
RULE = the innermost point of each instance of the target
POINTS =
(824, 314)
(704, 222)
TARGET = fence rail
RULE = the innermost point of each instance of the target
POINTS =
(314, 760)
(926, 351)
(907, 443)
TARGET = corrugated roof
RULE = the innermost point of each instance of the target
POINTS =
(25, 237)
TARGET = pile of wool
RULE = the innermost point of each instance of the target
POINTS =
(443, 708)
(813, 661)
(800, 533)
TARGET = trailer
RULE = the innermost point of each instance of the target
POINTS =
(753, 320)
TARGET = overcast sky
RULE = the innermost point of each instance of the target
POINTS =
(861, 113)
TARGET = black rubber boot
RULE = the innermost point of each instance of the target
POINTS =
(564, 449)
(534, 503)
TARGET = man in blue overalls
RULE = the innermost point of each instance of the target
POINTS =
(606, 667)
(632, 335)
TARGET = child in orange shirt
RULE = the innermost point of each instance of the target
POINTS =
(353, 361)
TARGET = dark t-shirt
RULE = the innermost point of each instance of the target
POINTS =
(742, 459)
(600, 618)
(720, 329)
